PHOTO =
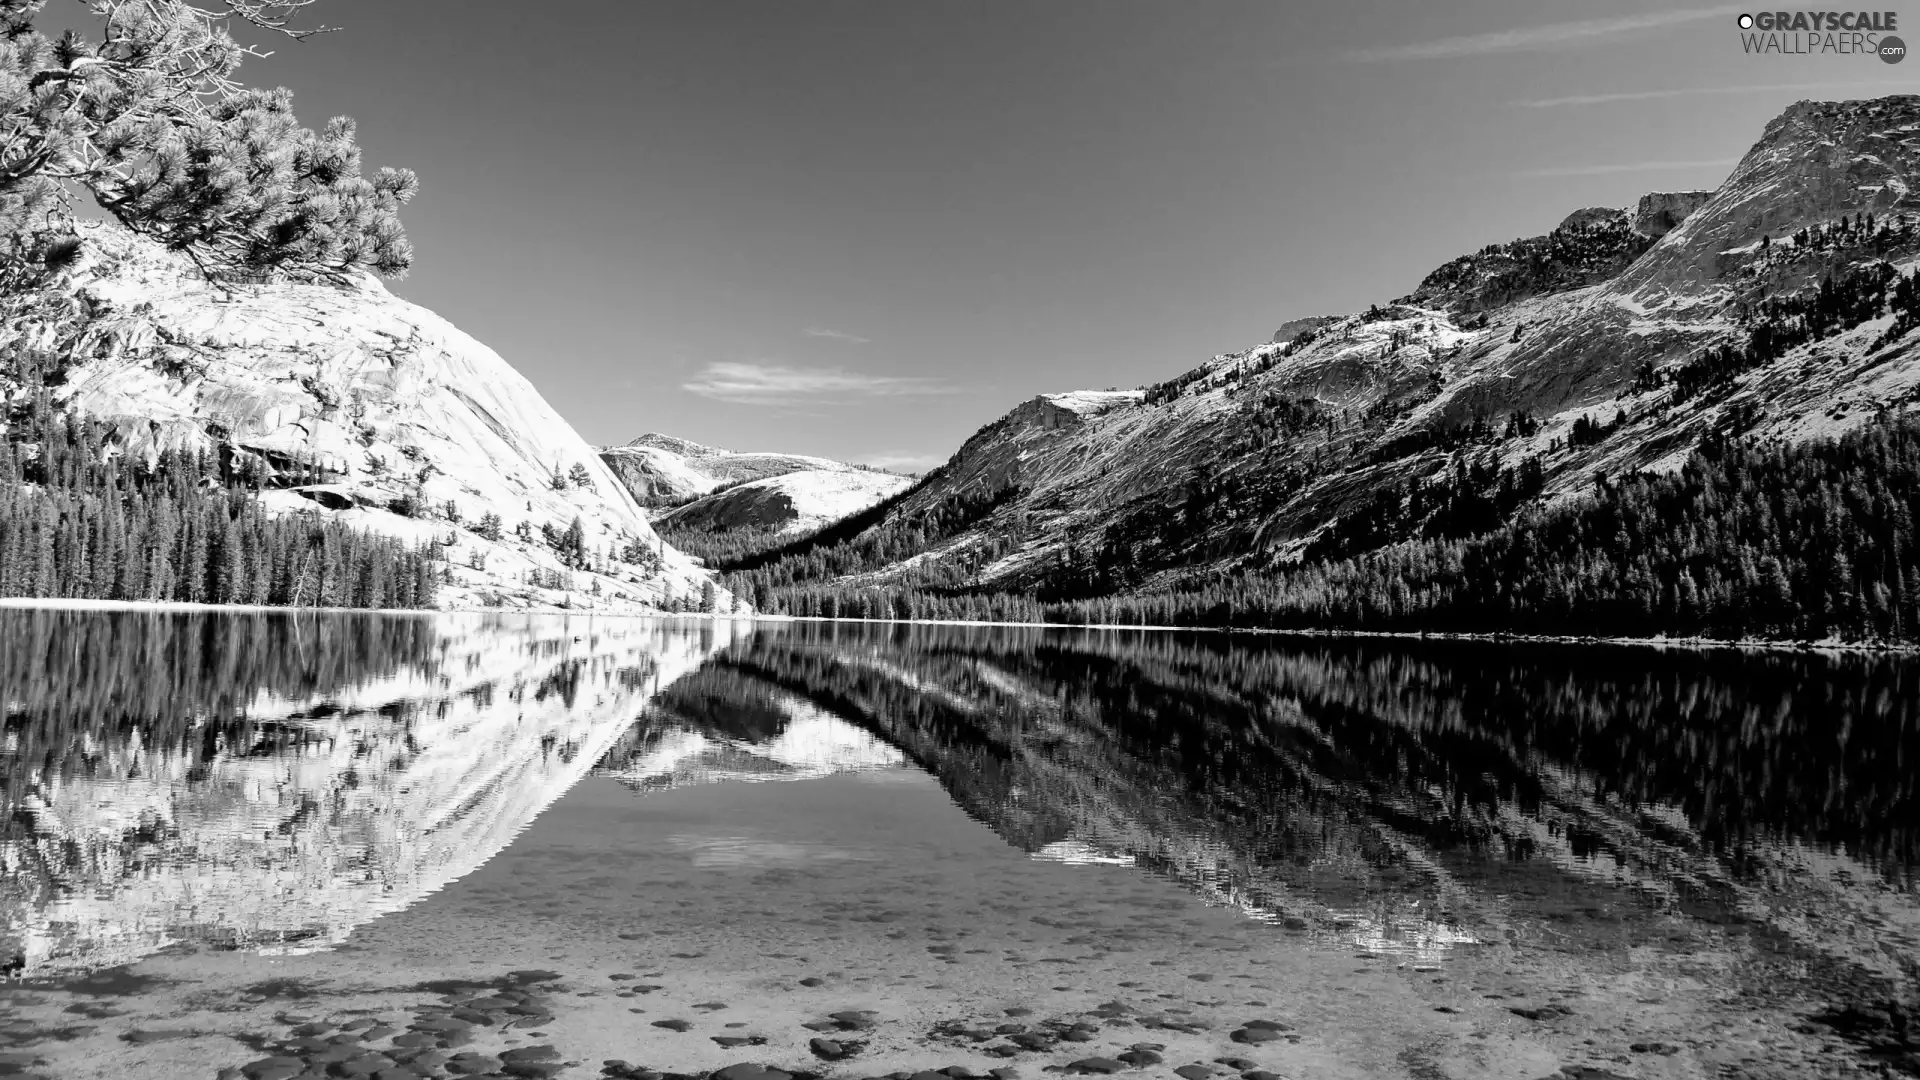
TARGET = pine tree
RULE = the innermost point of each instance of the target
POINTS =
(149, 120)
(573, 545)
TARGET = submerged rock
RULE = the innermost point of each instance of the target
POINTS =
(749, 1071)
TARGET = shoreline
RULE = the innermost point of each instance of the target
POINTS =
(1696, 643)
(1750, 644)
(74, 603)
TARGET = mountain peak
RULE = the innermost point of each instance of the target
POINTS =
(1816, 161)
(1657, 212)
(674, 445)
(665, 470)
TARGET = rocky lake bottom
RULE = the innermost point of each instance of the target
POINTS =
(634, 849)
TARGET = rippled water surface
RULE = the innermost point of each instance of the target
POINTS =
(1742, 824)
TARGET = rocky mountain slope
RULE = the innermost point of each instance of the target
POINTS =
(708, 489)
(661, 471)
(1771, 307)
(357, 406)
(793, 504)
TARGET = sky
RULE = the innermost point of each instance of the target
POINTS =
(866, 229)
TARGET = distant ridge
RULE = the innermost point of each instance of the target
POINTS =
(698, 489)
(1780, 306)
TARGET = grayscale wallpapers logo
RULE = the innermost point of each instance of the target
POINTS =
(1823, 33)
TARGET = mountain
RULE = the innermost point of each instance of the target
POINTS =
(662, 471)
(706, 490)
(351, 405)
(715, 727)
(790, 504)
(1780, 306)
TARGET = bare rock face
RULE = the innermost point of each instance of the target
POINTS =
(661, 470)
(686, 448)
(1591, 216)
(361, 405)
(1587, 247)
(795, 503)
(1053, 411)
(1658, 212)
(1814, 162)
(1293, 328)
(1007, 452)
(656, 477)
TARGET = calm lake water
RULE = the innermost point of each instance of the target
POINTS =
(1528, 858)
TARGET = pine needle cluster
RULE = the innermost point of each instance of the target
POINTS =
(147, 119)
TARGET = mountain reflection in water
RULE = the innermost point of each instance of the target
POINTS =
(716, 725)
(1410, 797)
(263, 781)
(269, 781)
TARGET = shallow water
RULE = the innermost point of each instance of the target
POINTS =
(1416, 859)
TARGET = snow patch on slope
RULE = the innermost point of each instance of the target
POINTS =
(662, 470)
(1095, 402)
(798, 502)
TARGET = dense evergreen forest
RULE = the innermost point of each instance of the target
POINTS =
(1748, 539)
(723, 547)
(79, 520)
(139, 108)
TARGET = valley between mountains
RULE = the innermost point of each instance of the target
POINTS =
(1688, 417)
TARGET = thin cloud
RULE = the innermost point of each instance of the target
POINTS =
(1689, 91)
(1629, 167)
(1547, 36)
(823, 332)
(776, 384)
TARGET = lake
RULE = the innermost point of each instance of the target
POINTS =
(275, 846)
